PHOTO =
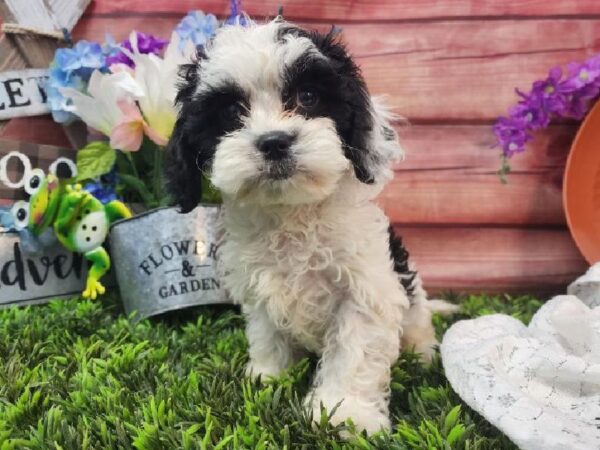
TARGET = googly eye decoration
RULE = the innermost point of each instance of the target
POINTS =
(20, 213)
(63, 168)
(4, 177)
(34, 181)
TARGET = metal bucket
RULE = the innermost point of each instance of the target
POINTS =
(166, 261)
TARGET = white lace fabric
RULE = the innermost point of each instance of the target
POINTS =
(539, 384)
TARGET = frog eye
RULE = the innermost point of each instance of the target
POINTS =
(63, 168)
(34, 181)
(20, 213)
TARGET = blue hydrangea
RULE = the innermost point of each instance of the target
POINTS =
(84, 57)
(72, 67)
(197, 27)
(58, 78)
(104, 188)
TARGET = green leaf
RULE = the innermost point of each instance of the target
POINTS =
(95, 159)
(455, 434)
(139, 187)
(451, 419)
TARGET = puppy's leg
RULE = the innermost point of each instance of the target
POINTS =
(355, 369)
(418, 331)
(270, 350)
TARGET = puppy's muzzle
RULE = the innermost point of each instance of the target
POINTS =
(275, 145)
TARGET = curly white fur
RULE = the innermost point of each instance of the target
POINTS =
(308, 256)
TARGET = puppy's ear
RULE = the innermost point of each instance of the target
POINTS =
(182, 168)
(183, 178)
(383, 143)
(355, 131)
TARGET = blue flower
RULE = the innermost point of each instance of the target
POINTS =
(197, 27)
(85, 56)
(237, 17)
(104, 188)
(58, 78)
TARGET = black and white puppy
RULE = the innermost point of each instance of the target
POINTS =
(281, 122)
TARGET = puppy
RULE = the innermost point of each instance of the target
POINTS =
(281, 122)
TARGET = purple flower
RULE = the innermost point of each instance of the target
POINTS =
(557, 96)
(146, 43)
(513, 134)
(578, 102)
(581, 75)
(547, 94)
(530, 112)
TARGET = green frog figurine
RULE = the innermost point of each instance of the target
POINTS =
(80, 221)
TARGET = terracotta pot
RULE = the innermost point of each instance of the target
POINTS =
(581, 187)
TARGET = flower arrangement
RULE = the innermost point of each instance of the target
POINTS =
(124, 92)
(562, 94)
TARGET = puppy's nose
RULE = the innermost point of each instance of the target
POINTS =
(275, 144)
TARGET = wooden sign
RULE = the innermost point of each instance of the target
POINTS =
(22, 93)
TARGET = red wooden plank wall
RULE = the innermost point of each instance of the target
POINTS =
(450, 67)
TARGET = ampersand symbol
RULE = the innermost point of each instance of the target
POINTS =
(187, 269)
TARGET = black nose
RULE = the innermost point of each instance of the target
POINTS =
(275, 144)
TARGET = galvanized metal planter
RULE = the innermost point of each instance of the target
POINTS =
(166, 261)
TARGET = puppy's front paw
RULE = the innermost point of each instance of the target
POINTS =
(254, 369)
(365, 416)
(426, 350)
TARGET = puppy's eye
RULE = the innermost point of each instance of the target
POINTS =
(307, 97)
(231, 112)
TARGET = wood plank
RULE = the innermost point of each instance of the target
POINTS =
(465, 70)
(10, 58)
(358, 10)
(454, 146)
(95, 28)
(493, 259)
(460, 70)
(450, 176)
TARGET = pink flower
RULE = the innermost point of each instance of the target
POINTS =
(129, 131)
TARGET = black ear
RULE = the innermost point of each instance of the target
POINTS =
(182, 171)
(356, 127)
(183, 178)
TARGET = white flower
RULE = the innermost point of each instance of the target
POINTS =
(100, 109)
(157, 78)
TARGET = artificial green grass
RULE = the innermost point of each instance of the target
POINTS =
(79, 375)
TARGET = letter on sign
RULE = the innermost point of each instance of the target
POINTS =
(22, 93)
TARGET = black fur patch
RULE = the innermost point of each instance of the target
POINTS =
(202, 121)
(400, 258)
(343, 93)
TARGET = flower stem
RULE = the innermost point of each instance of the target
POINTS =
(132, 162)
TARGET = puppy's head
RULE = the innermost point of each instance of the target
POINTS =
(273, 114)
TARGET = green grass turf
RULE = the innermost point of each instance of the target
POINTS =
(78, 375)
